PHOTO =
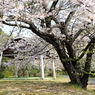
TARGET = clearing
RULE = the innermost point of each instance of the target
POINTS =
(42, 87)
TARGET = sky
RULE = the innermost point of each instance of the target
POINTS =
(7, 29)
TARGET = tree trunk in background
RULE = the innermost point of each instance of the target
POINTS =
(2, 68)
(16, 71)
(1, 53)
(23, 72)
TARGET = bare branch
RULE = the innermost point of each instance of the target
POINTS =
(80, 2)
(65, 24)
(56, 21)
(73, 26)
(69, 18)
(84, 50)
(90, 11)
(53, 6)
(44, 5)
(56, 26)
(77, 34)
(46, 36)
(10, 24)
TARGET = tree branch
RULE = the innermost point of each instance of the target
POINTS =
(53, 6)
(46, 36)
(66, 23)
(88, 63)
(88, 45)
(10, 24)
(44, 5)
(69, 18)
(56, 21)
(77, 34)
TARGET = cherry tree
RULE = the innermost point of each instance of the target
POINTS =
(66, 24)
(4, 38)
(23, 51)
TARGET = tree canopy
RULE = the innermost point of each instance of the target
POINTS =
(66, 24)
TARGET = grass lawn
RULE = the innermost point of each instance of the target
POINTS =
(41, 87)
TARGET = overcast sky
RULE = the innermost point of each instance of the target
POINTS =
(7, 29)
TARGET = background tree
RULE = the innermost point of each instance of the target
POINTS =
(25, 51)
(64, 24)
(3, 40)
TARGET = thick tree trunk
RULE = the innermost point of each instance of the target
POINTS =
(67, 56)
(71, 66)
(71, 70)
(87, 66)
(68, 64)
(74, 75)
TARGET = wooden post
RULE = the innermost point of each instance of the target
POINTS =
(53, 69)
(1, 58)
(42, 67)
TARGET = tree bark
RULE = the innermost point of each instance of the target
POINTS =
(87, 66)
(68, 63)
(67, 56)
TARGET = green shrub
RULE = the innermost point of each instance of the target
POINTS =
(63, 72)
(6, 74)
(1, 75)
(48, 73)
(35, 72)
